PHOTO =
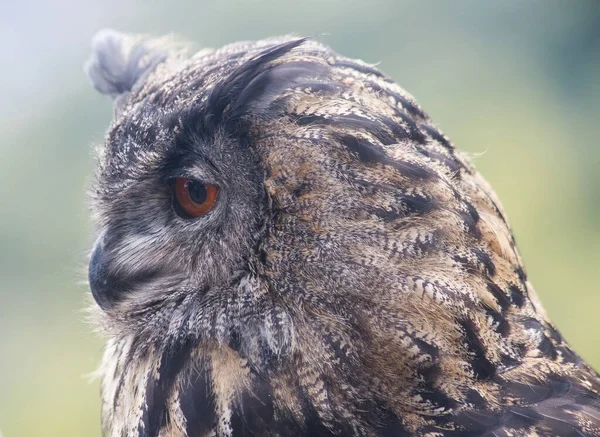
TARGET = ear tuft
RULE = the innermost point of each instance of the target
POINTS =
(119, 61)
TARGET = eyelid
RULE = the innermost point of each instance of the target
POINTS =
(186, 174)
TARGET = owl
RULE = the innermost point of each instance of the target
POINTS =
(287, 246)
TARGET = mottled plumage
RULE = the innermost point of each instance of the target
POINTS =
(356, 277)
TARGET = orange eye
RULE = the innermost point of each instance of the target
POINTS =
(193, 198)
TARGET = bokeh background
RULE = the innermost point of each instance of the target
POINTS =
(515, 83)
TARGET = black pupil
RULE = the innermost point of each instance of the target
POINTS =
(197, 192)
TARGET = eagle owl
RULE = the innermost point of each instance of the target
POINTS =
(289, 247)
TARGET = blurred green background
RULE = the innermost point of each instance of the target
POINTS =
(516, 83)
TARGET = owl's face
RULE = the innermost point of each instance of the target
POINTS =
(287, 246)
(179, 212)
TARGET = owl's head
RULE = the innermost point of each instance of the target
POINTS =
(275, 210)
(209, 157)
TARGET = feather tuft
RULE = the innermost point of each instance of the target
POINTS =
(119, 61)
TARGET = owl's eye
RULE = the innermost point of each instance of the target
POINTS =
(193, 198)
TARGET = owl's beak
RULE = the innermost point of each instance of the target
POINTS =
(105, 286)
(109, 283)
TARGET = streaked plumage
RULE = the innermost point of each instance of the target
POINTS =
(356, 277)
